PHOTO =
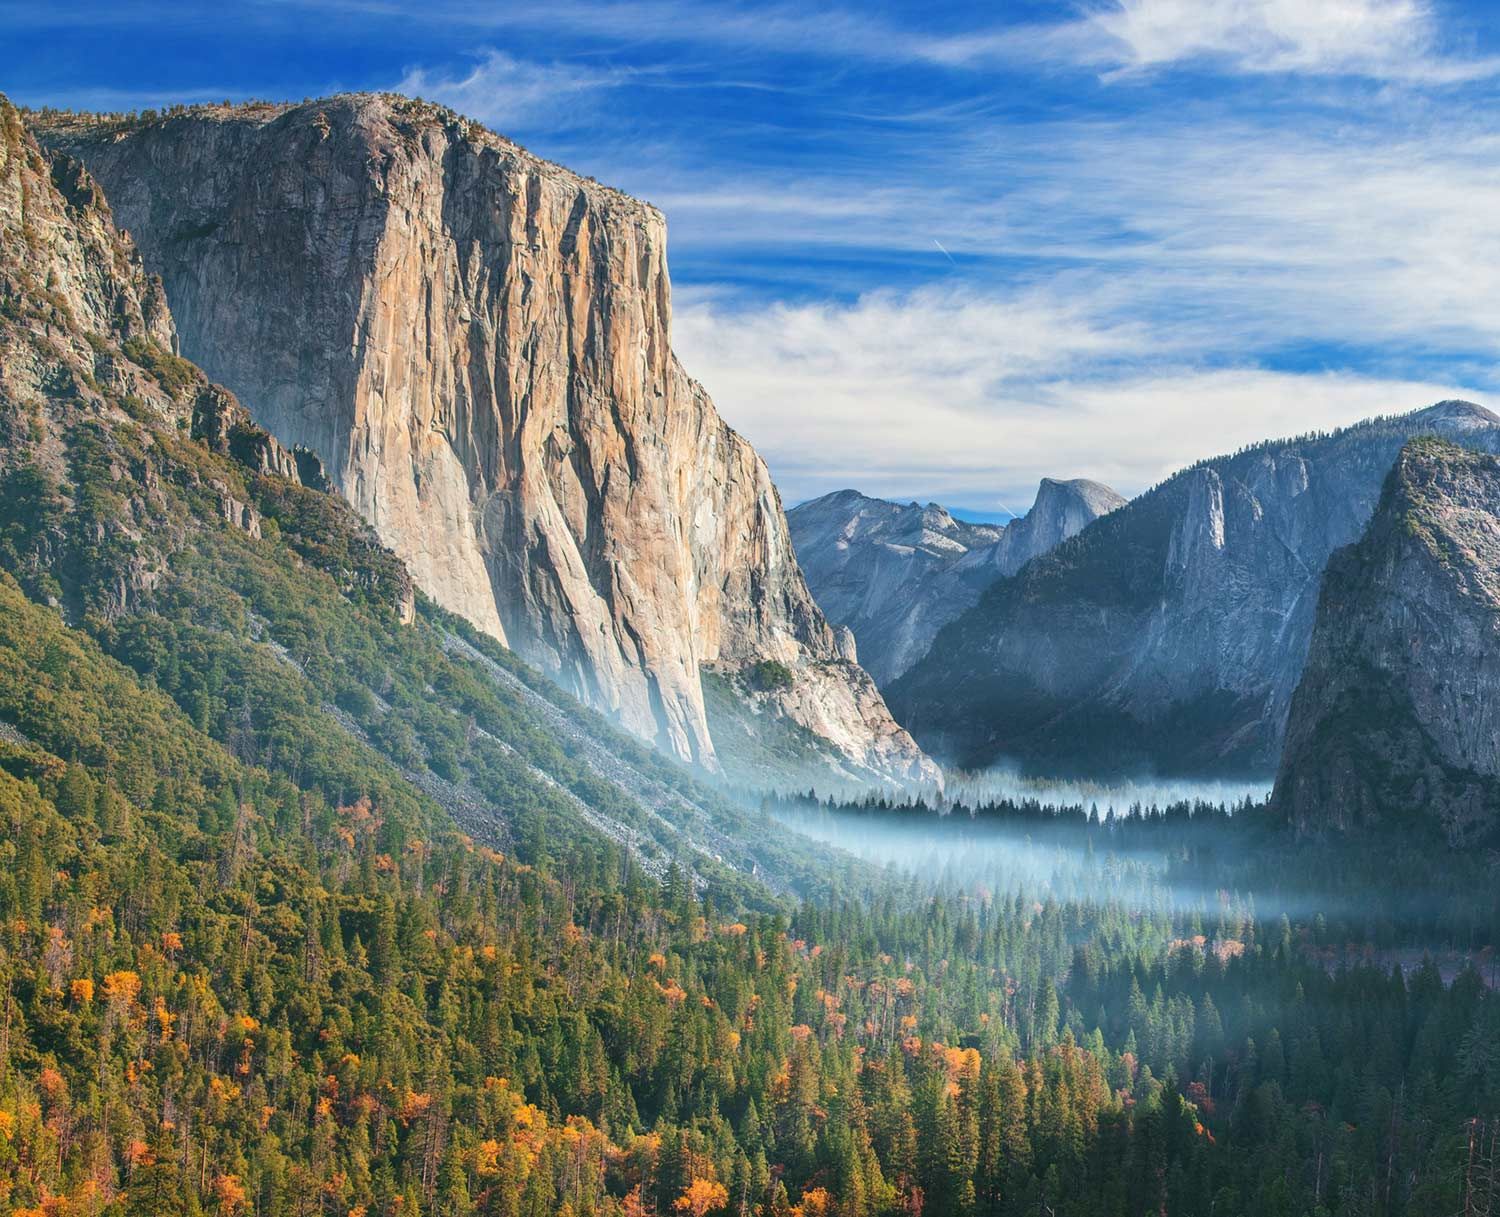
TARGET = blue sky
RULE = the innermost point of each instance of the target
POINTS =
(942, 251)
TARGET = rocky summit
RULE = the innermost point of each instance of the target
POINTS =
(1170, 634)
(896, 574)
(478, 345)
(1398, 711)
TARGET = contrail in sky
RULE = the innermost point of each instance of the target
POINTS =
(945, 253)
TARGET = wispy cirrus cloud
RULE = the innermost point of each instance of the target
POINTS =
(1132, 296)
(1397, 40)
(503, 91)
(1388, 234)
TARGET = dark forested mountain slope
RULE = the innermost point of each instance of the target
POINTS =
(1397, 716)
(478, 344)
(1171, 633)
(896, 574)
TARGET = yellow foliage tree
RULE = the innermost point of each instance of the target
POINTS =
(230, 1193)
(700, 1197)
(816, 1202)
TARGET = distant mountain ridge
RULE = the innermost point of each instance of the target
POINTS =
(896, 573)
(1170, 634)
(1397, 716)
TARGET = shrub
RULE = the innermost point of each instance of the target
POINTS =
(172, 372)
(769, 675)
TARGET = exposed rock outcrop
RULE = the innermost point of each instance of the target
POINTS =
(73, 300)
(1171, 633)
(88, 357)
(478, 344)
(64, 265)
(225, 426)
(1397, 716)
(896, 574)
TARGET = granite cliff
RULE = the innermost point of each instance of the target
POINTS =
(1397, 715)
(478, 345)
(176, 586)
(896, 574)
(1171, 633)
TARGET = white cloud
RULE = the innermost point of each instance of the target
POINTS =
(1122, 289)
(1328, 234)
(1387, 39)
(503, 92)
(976, 398)
(1398, 40)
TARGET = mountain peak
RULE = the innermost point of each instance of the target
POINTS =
(1093, 496)
(1457, 412)
(897, 573)
(392, 121)
(1398, 709)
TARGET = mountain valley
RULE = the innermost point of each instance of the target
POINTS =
(438, 780)
(1169, 636)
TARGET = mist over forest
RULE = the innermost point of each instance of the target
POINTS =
(1200, 863)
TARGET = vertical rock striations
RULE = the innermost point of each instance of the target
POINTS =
(1170, 634)
(1398, 712)
(478, 344)
(896, 574)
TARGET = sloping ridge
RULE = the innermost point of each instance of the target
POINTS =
(1397, 716)
(1169, 635)
(478, 344)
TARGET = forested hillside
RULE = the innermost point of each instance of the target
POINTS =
(312, 901)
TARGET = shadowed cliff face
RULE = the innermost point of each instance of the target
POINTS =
(896, 574)
(1398, 712)
(1170, 634)
(478, 344)
(88, 368)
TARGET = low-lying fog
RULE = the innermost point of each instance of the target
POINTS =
(1216, 863)
(1038, 861)
(1111, 794)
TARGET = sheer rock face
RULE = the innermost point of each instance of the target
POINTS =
(896, 574)
(1171, 633)
(477, 343)
(1398, 711)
